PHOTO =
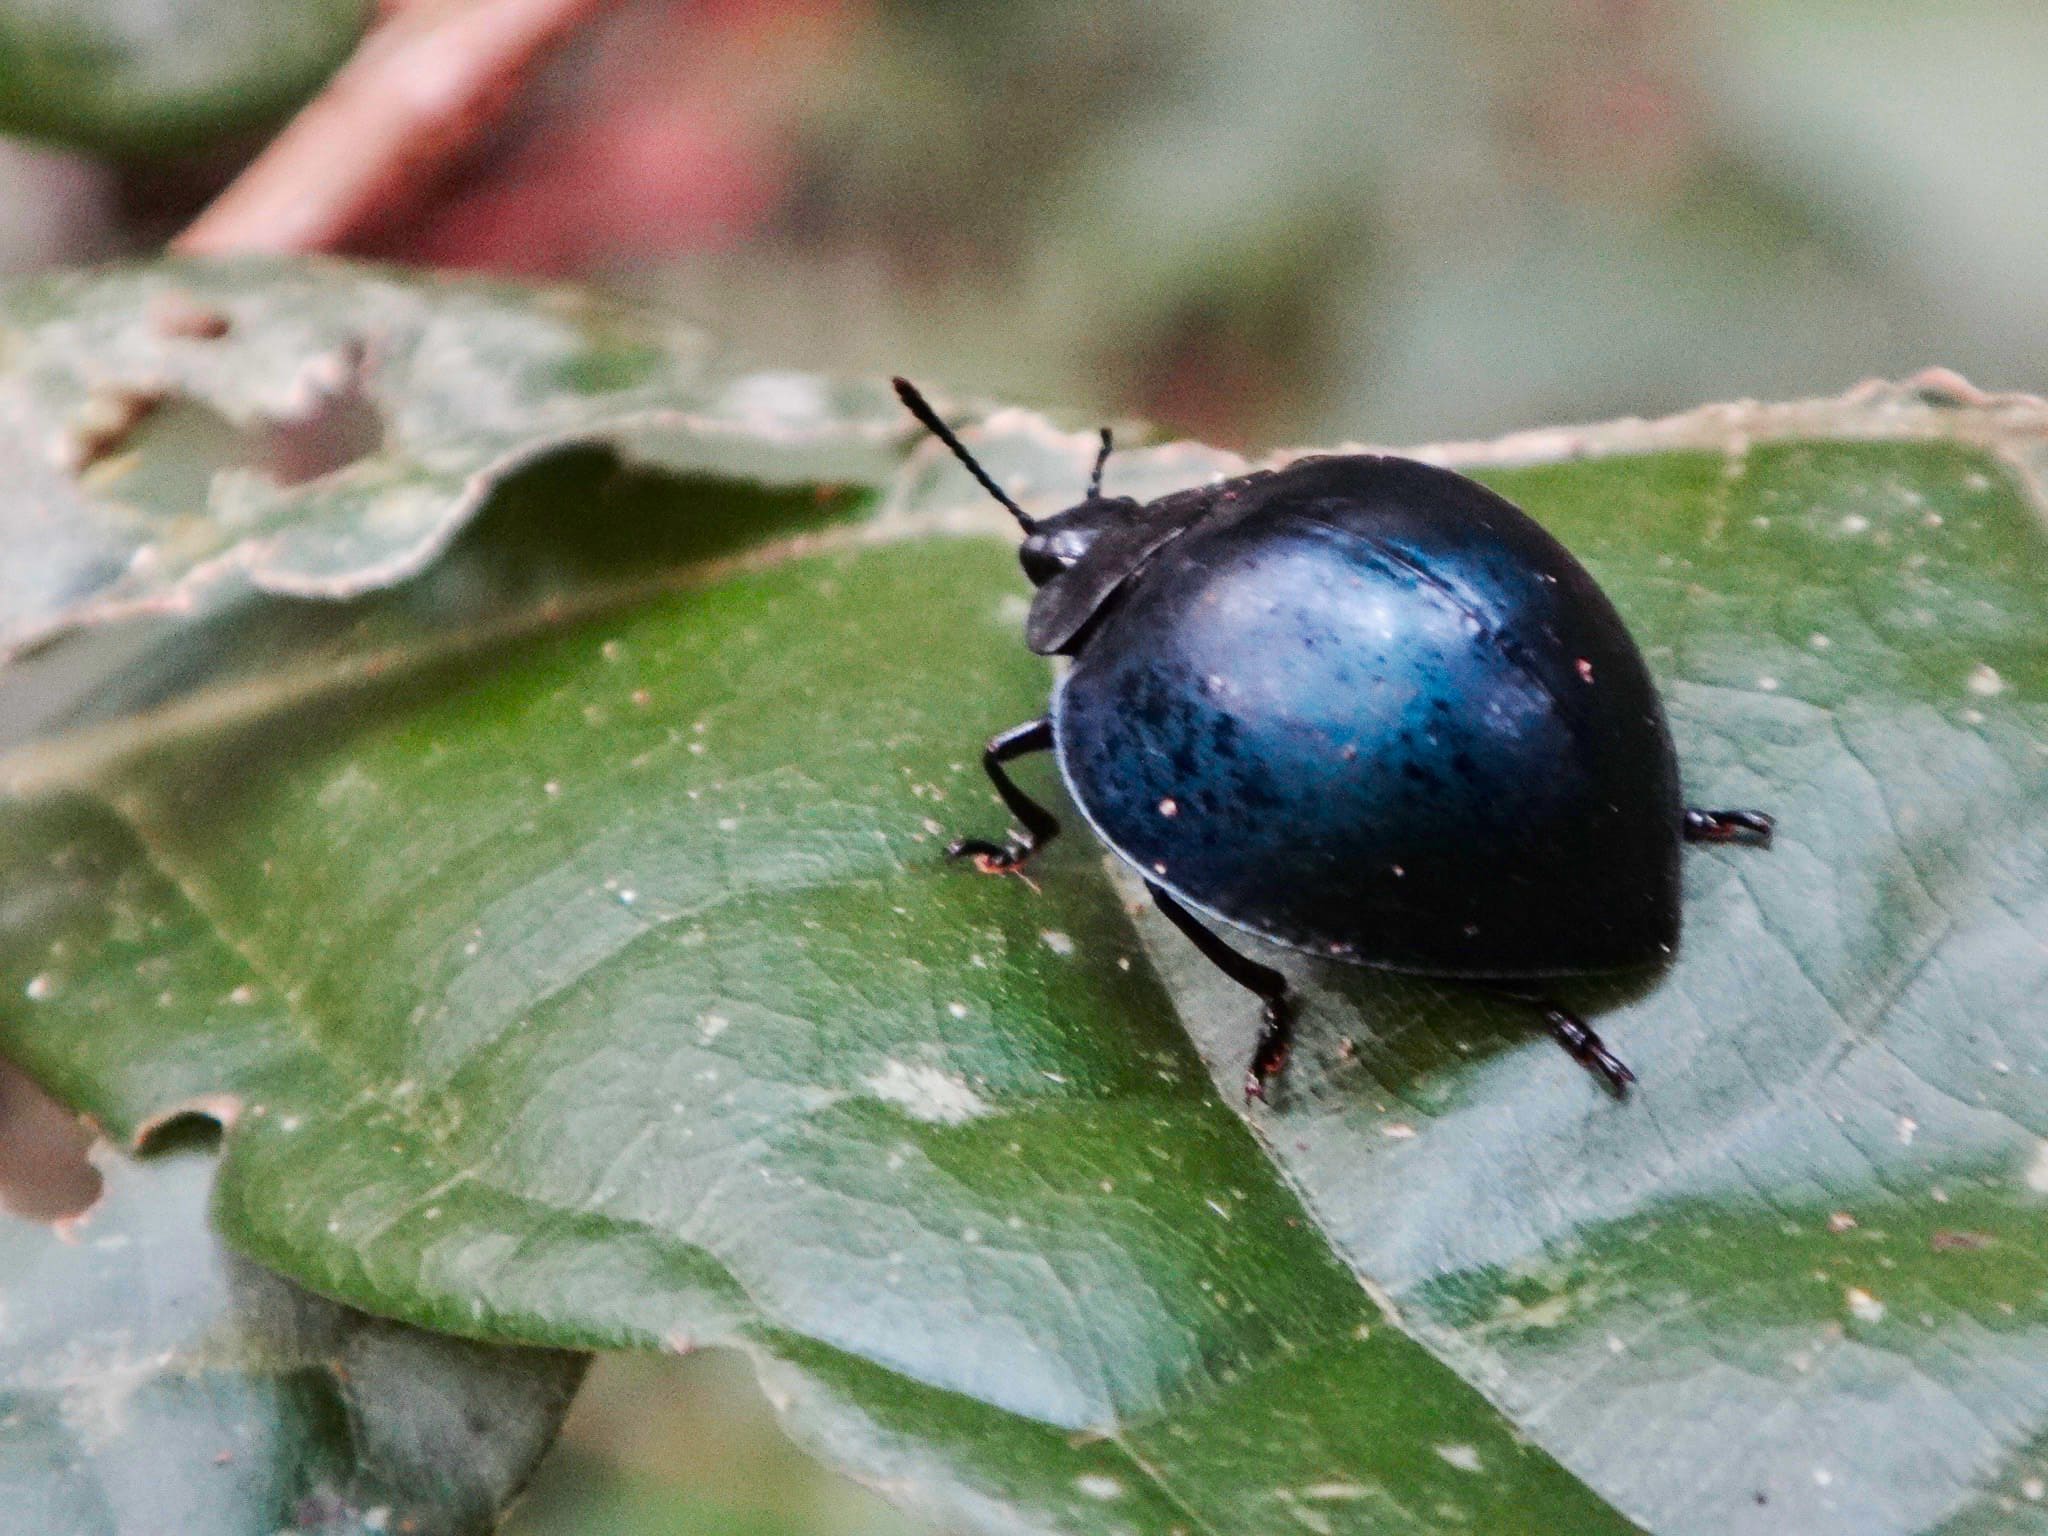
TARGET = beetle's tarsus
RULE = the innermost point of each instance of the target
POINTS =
(1276, 1042)
(1752, 827)
(991, 858)
(1039, 825)
(1587, 1048)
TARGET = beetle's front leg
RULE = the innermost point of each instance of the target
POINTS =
(1039, 826)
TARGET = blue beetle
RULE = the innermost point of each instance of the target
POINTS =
(1362, 707)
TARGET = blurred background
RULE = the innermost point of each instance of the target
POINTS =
(1295, 222)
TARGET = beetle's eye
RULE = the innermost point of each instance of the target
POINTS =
(1039, 560)
(1060, 543)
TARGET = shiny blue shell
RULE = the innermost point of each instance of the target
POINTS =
(1367, 708)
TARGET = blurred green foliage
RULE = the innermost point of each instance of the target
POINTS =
(1331, 220)
(687, 1447)
(150, 77)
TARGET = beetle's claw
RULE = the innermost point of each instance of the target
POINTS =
(1269, 1057)
(989, 858)
(1259, 1076)
(1613, 1069)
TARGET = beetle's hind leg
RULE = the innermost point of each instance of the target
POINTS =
(1728, 827)
(1577, 1037)
(1039, 826)
(1276, 1039)
(1585, 1047)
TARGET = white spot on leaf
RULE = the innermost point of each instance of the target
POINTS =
(1464, 1457)
(926, 1093)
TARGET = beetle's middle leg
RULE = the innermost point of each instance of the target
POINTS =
(1039, 826)
(1276, 1039)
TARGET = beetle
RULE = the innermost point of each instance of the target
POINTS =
(1361, 707)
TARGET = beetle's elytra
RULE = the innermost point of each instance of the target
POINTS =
(1362, 707)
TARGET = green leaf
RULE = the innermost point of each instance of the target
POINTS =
(190, 435)
(153, 76)
(151, 1381)
(576, 963)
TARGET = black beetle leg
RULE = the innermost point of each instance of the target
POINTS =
(1578, 1039)
(1276, 1039)
(1728, 827)
(1039, 826)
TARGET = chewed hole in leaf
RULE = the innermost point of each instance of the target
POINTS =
(195, 1127)
(159, 450)
(338, 424)
(45, 1174)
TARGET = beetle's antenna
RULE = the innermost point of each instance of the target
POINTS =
(919, 407)
(1101, 458)
(922, 410)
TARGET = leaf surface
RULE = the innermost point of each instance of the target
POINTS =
(586, 971)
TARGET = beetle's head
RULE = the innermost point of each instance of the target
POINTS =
(1053, 544)
(1056, 544)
